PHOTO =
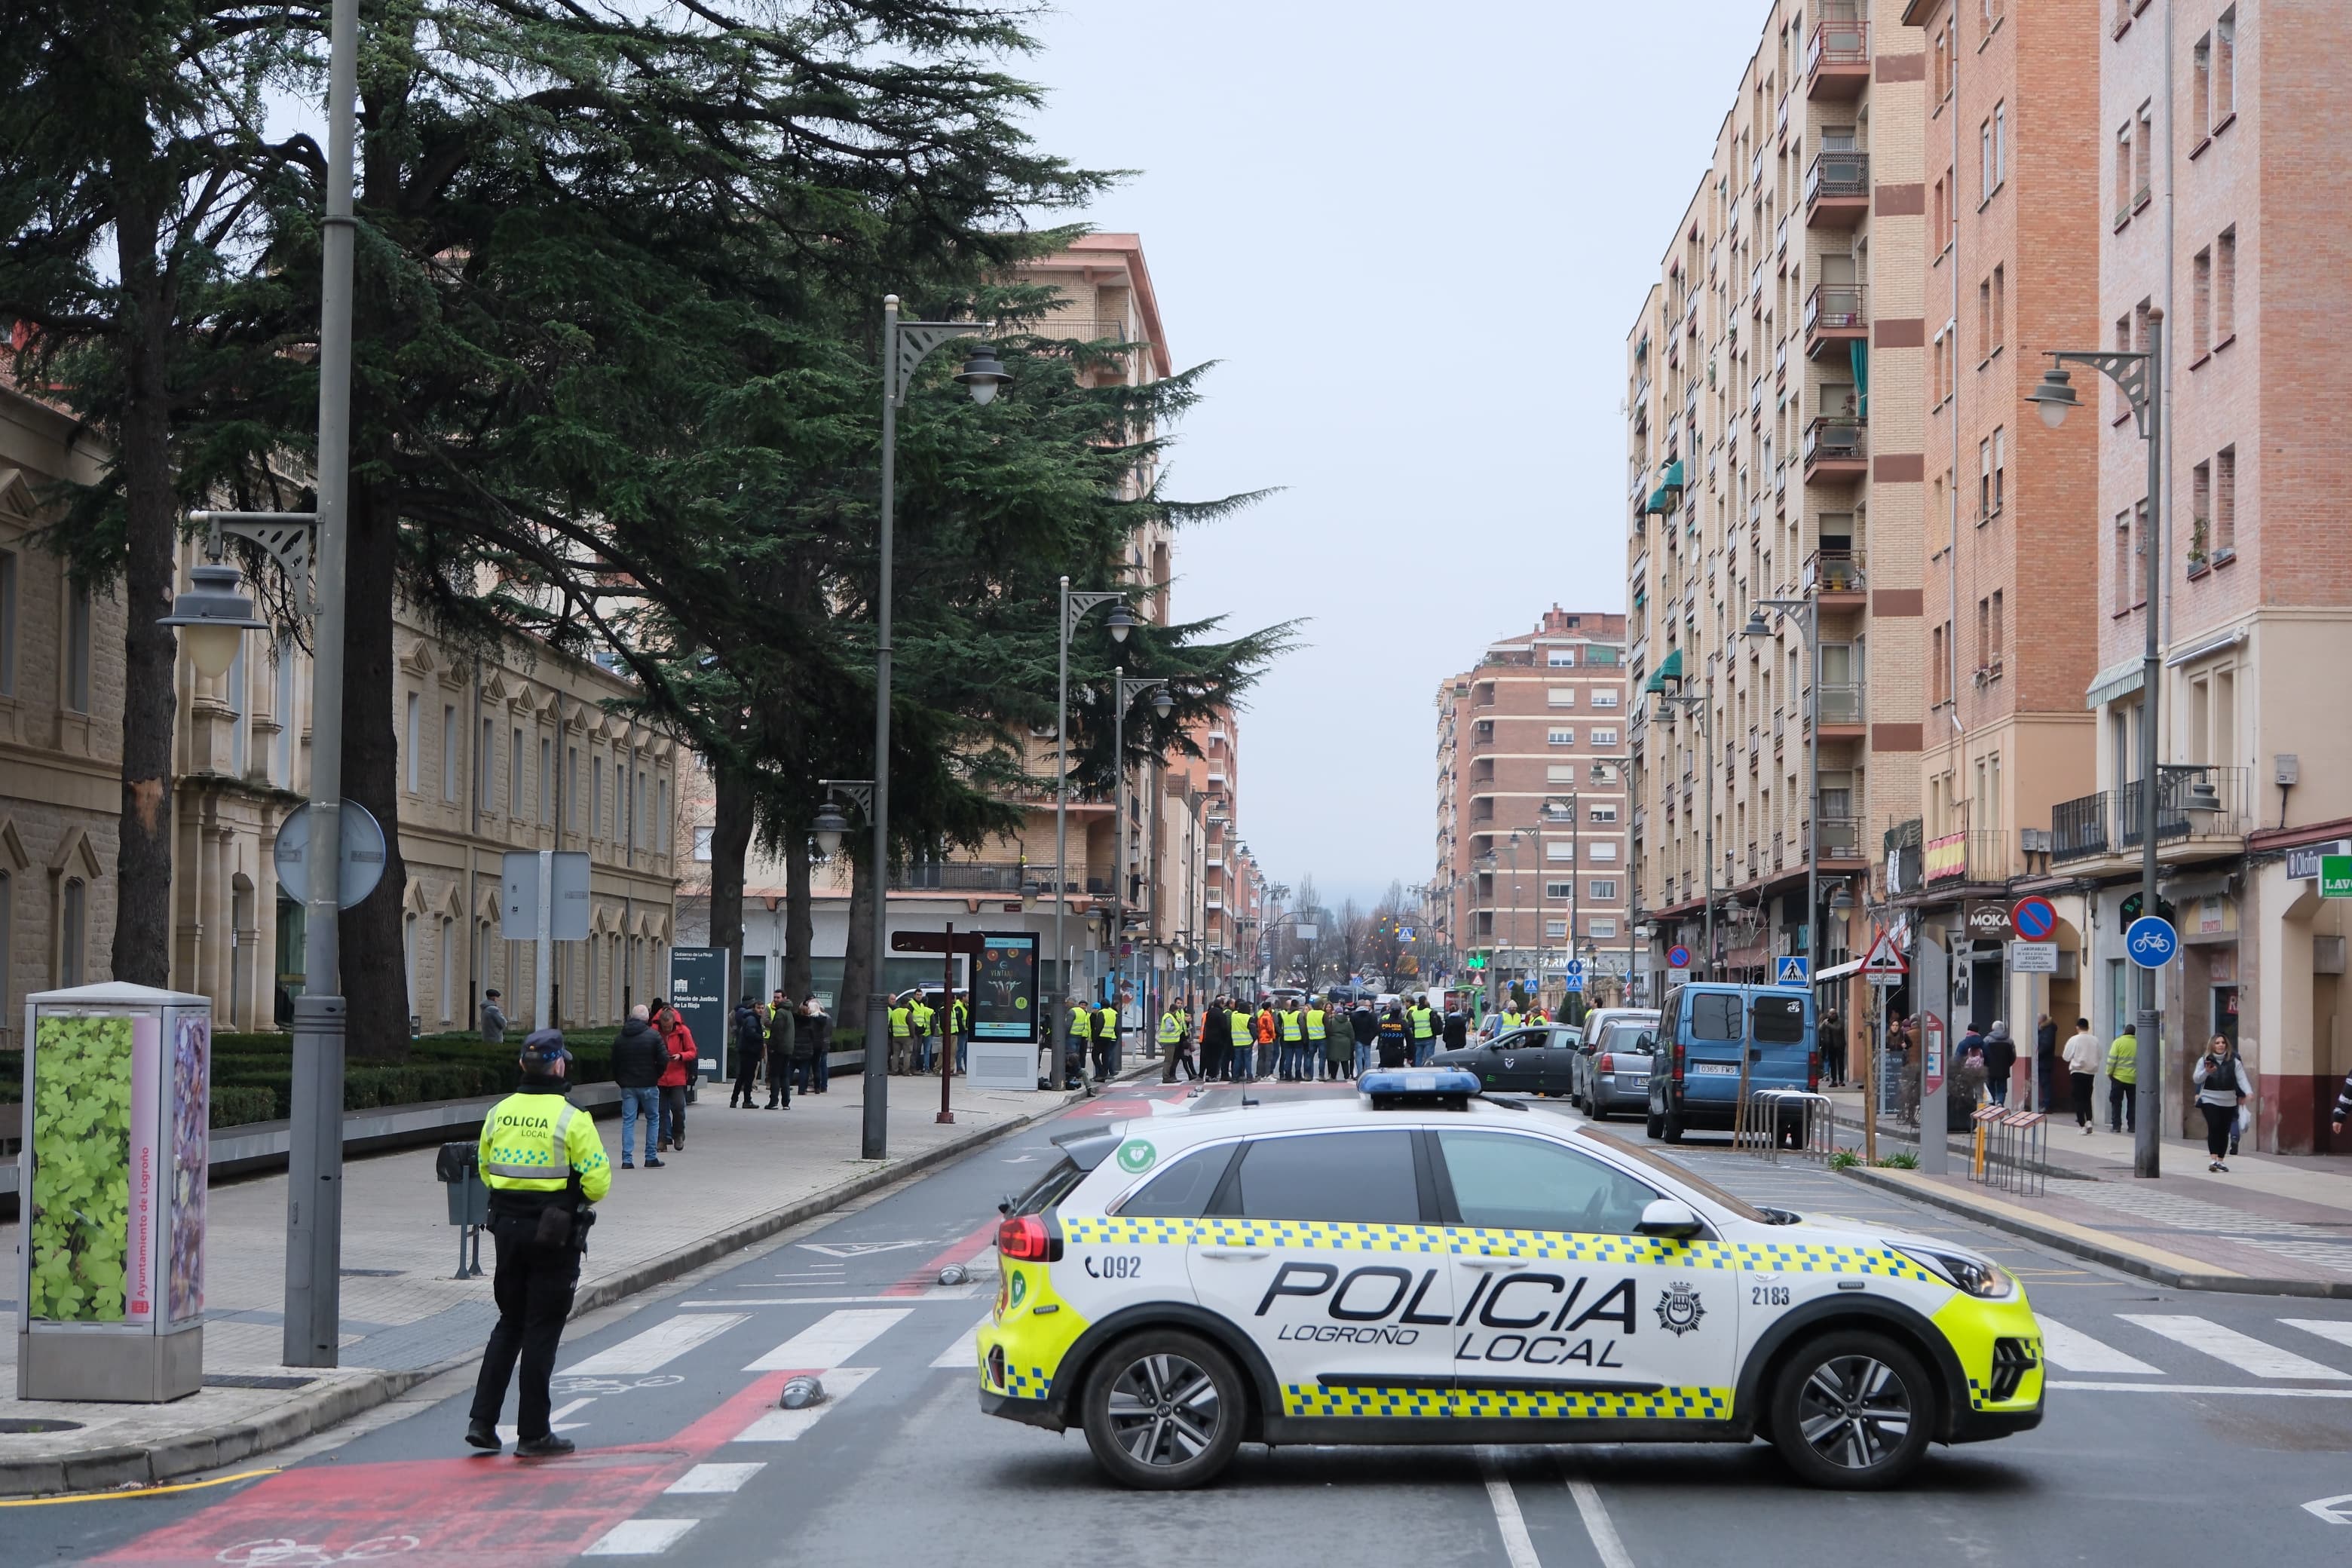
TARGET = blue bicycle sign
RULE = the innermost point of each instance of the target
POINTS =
(2151, 941)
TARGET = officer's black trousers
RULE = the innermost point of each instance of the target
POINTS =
(533, 1286)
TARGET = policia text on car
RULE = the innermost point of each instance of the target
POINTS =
(544, 1166)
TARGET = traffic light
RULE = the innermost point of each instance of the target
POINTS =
(1475, 961)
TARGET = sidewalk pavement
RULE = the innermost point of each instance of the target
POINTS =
(743, 1175)
(2274, 1224)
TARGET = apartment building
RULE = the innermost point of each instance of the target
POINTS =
(1774, 454)
(2012, 143)
(2223, 207)
(1531, 804)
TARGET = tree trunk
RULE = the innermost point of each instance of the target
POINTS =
(859, 972)
(142, 864)
(799, 916)
(374, 954)
(730, 839)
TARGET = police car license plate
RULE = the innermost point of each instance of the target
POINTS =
(1731, 1067)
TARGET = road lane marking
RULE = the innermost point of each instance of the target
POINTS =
(555, 1420)
(1607, 1544)
(2329, 1328)
(707, 1479)
(2078, 1351)
(1518, 1549)
(790, 1426)
(2231, 1389)
(640, 1537)
(858, 1248)
(2243, 1352)
(658, 1346)
(937, 1293)
(965, 1351)
(830, 1341)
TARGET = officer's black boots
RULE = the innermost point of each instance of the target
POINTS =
(482, 1435)
(548, 1447)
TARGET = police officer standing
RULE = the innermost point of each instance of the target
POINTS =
(544, 1165)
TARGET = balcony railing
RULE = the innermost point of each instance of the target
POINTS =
(1977, 855)
(1839, 40)
(2078, 828)
(2196, 799)
(1836, 440)
(1834, 572)
(1840, 703)
(972, 876)
(1837, 177)
(1835, 306)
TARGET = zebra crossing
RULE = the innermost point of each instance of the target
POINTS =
(2281, 1359)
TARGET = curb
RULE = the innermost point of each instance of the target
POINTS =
(123, 1468)
(2111, 1256)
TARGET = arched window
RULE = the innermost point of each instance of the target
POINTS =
(71, 937)
(448, 957)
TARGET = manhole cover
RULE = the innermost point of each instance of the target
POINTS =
(256, 1380)
(19, 1427)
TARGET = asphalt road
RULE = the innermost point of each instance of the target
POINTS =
(2183, 1428)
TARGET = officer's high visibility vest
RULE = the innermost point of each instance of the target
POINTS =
(1424, 1022)
(1510, 1020)
(1289, 1025)
(1239, 1023)
(532, 1144)
(961, 1017)
(898, 1023)
(922, 1018)
(1172, 1028)
(1106, 1025)
(1314, 1022)
(1082, 1024)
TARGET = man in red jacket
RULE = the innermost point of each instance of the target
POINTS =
(678, 1042)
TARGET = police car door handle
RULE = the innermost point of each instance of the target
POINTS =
(1493, 1260)
(1233, 1254)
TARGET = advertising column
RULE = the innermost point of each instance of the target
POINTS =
(1004, 1024)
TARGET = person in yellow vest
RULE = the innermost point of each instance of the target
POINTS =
(959, 1026)
(1536, 1014)
(902, 1036)
(1511, 1018)
(1294, 1041)
(1241, 1030)
(1312, 1025)
(924, 1020)
(544, 1165)
(1176, 1045)
(1082, 1034)
(1421, 1025)
(1106, 1041)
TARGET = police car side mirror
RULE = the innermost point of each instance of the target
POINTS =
(1665, 1216)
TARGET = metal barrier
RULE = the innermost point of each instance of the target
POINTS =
(1795, 1120)
(2010, 1149)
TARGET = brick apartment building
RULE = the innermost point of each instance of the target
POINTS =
(1532, 805)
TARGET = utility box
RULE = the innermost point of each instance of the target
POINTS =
(117, 1138)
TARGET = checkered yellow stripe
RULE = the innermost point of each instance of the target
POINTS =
(1564, 1247)
(1662, 1405)
(1312, 1399)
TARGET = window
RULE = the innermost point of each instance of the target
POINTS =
(2123, 172)
(1604, 888)
(2225, 286)
(1559, 849)
(2200, 514)
(408, 956)
(448, 752)
(449, 962)
(1985, 181)
(1554, 930)
(7, 923)
(1560, 891)
(1183, 1191)
(1604, 849)
(1601, 927)
(281, 765)
(2200, 86)
(1561, 697)
(1558, 736)
(2201, 304)
(1999, 307)
(1984, 478)
(1509, 1181)
(77, 649)
(1942, 223)
(546, 779)
(1715, 1016)
(1605, 814)
(514, 775)
(1604, 737)
(73, 909)
(2143, 154)
(484, 760)
(2123, 593)
(7, 631)
(2000, 145)
(1943, 53)
(2000, 467)
(2225, 501)
(1939, 638)
(1560, 773)
(1779, 1020)
(1604, 699)
(2225, 67)
(667, 832)
(411, 739)
(1362, 1178)
(596, 798)
(1606, 657)
(1561, 657)
(1984, 633)
(1997, 633)
(571, 787)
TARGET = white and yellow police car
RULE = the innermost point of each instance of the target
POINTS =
(1423, 1264)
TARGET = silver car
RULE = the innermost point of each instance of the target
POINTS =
(1612, 1063)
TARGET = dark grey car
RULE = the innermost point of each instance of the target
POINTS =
(1612, 1064)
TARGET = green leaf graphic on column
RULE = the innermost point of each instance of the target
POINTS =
(78, 1228)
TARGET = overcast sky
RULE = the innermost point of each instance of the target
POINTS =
(1413, 238)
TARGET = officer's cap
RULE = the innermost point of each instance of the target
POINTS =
(541, 1046)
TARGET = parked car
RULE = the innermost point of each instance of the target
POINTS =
(1706, 1031)
(1535, 1061)
(1613, 1062)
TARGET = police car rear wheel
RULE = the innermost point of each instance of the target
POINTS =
(1853, 1410)
(1163, 1410)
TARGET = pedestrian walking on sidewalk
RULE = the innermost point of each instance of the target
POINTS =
(545, 1167)
(1832, 1034)
(813, 1044)
(494, 1019)
(750, 1035)
(2222, 1084)
(1907, 1032)
(2083, 1055)
(1999, 1062)
(2123, 1080)
(684, 1061)
(640, 1059)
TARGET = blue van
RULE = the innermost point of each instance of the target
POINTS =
(1705, 1029)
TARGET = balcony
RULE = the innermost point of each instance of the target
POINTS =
(972, 877)
(1836, 450)
(1840, 707)
(2193, 801)
(1837, 190)
(1837, 316)
(1977, 855)
(1837, 60)
(2078, 828)
(1835, 577)
(1841, 838)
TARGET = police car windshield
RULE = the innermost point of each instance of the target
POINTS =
(1687, 1177)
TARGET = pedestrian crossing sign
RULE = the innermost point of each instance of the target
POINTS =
(1792, 970)
(1575, 984)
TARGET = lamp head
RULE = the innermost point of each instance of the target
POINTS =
(2054, 397)
(1756, 625)
(828, 827)
(1121, 621)
(1163, 701)
(216, 616)
(982, 374)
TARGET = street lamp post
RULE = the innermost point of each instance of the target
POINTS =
(1075, 608)
(1703, 704)
(2141, 378)
(1126, 691)
(1806, 614)
(905, 346)
(1573, 801)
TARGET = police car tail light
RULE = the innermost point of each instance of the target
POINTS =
(1025, 1239)
(1972, 1276)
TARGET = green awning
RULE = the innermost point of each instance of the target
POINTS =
(1860, 352)
(1657, 503)
(2119, 679)
(1674, 479)
(1671, 670)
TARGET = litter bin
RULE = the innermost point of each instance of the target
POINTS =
(459, 1168)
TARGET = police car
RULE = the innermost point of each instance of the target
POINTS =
(1426, 1264)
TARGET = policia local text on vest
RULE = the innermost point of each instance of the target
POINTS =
(544, 1166)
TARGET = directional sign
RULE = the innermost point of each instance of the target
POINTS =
(1885, 958)
(1576, 967)
(1792, 970)
(2034, 917)
(1678, 958)
(2151, 941)
(937, 942)
(2335, 876)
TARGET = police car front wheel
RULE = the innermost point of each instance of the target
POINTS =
(1853, 1410)
(1163, 1410)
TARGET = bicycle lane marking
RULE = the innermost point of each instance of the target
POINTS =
(478, 1512)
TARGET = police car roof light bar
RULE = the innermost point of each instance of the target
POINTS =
(1442, 1088)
